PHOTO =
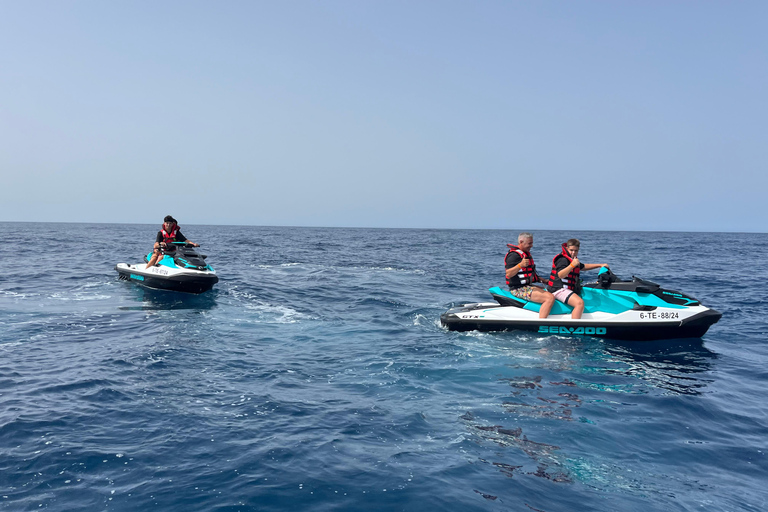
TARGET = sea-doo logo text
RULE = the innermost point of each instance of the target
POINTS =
(559, 329)
(138, 278)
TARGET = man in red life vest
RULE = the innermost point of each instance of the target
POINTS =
(169, 232)
(564, 281)
(521, 274)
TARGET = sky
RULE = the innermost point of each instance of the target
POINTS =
(589, 115)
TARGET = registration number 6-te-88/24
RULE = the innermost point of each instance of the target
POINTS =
(664, 315)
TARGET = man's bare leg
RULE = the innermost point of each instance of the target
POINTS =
(546, 299)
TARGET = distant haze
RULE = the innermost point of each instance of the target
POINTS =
(445, 114)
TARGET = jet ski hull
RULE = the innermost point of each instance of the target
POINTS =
(162, 278)
(631, 326)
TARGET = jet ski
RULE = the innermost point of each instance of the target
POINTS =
(181, 269)
(636, 310)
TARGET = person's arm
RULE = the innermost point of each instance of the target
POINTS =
(516, 265)
(182, 238)
(563, 268)
(592, 266)
(158, 240)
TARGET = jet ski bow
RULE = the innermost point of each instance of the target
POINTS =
(637, 310)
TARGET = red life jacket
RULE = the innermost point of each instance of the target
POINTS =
(524, 276)
(170, 237)
(571, 281)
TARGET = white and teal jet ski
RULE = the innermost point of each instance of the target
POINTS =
(181, 270)
(616, 309)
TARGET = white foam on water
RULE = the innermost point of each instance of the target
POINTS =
(17, 295)
(79, 297)
(341, 268)
(265, 312)
(389, 269)
(276, 313)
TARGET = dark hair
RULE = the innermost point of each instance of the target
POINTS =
(168, 218)
(572, 243)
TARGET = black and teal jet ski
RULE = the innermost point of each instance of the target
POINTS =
(616, 309)
(181, 269)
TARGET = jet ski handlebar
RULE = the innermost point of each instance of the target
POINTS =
(610, 281)
(170, 247)
(181, 244)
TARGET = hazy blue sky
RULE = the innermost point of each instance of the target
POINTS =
(468, 114)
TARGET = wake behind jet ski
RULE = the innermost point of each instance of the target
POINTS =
(182, 270)
(616, 309)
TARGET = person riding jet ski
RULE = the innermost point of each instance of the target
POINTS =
(520, 271)
(169, 233)
(174, 265)
(565, 280)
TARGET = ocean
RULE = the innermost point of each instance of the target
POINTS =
(315, 376)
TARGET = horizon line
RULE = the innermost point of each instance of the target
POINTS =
(391, 228)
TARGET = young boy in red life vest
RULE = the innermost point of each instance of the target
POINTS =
(564, 281)
(170, 232)
(520, 271)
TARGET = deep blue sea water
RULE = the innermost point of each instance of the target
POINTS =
(316, 376)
